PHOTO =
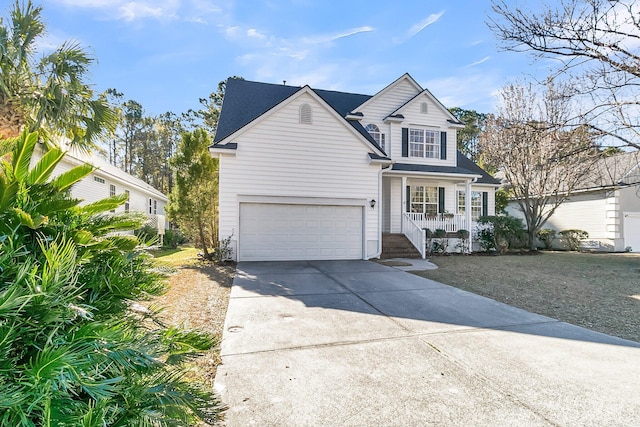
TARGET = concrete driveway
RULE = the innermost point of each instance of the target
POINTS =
(356, 343)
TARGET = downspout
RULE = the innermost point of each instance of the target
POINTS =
(379, 248)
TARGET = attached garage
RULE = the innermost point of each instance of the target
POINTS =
(273, 232)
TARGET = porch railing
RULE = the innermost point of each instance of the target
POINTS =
(451, 223)
(414, 233)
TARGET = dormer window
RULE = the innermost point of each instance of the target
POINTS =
(377, 136)
(305, 114)
(424, 109)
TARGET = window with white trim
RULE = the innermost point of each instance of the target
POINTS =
(424, 143)
(150, 206)
(155, 207)
(126, 204)
(305, 114)
(424, 199)
(98, 179)
(112, 190)
(476, 204)
(377, 136)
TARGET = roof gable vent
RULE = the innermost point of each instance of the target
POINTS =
(424, 109)
(305, 114)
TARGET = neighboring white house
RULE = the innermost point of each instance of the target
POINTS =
(318, 174)
(108, 180)
(606, 205)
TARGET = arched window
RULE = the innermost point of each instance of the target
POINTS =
(375, 133)
(305, 114)
(424, 108)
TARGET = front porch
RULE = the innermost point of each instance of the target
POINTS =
(413, 204)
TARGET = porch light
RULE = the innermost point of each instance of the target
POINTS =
(372, 203)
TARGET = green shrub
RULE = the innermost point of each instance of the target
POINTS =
(173, 238)
(74, 347)
(507, 232)
(440, 242)
(546, 236)
(573, 237)
(463, 241)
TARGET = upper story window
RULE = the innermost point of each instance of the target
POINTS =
(424, 109)
(424, 143)
(150, 206)
(98, 179)
(112, 190)
(305, 114)
(377, 136)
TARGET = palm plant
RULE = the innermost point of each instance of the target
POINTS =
(73, 351)
(48, 94)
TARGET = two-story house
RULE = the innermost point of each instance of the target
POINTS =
(318, 174)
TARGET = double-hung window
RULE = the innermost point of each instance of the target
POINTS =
(476, 204)
(424, 143)
(424, 199)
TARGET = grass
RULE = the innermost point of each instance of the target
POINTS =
(597, 291)
(184, 255)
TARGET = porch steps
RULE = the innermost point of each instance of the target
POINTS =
(397, 246)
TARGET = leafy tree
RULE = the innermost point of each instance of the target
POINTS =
(594, 44)
(47, 92)
(193, 203)
(208, 116)
(74, 350)
(468, 137)
(541, 160)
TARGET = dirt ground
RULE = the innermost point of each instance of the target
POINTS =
(197, 298)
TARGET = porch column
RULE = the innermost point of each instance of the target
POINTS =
(403, 198)
(467, 209)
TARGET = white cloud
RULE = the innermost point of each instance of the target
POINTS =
(482, 61)
(252, 32)
(431, 19)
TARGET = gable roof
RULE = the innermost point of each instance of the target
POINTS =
(246, 100)
(428, 94)
(404, 77)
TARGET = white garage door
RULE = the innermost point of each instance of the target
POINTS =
(632, 230)
(272, 232)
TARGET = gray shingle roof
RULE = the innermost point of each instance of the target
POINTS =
(246, 100)
(465, 167)
(619, 169)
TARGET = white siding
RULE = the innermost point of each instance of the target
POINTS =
(597, 213)
(89, 190)
(278, 156)
(396, 96)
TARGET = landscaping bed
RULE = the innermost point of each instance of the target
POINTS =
(594, 290)
(197, 298)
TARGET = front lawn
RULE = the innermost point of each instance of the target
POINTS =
(597, 291)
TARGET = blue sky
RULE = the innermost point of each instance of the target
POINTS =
(166, 54)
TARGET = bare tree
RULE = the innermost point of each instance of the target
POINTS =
(594, 42)
(542, 158)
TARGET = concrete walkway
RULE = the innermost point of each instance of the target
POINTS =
(356, 343)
